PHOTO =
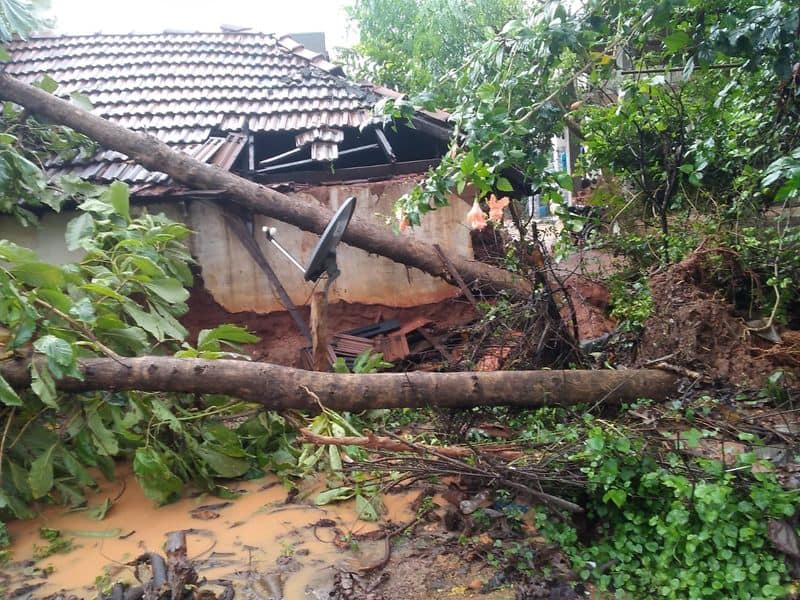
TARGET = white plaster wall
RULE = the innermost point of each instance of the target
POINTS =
(47, 240)
(238, 284)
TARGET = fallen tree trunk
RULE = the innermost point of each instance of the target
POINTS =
(157, 156)
(279, 388)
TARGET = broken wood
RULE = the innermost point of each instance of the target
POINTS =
(456, 276)
(155, 155)
(278, 388)
(319, 330)
(181, 576)
(386, 147)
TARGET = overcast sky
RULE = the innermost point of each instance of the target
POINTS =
(152, 16)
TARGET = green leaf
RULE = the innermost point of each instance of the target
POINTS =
(677, 41)
(58, 352)
(163, 413)
(170, 290)
(365, 510)
(692, 438)
(158, 483)
(7, 394)
(133, 339)
(104, 439)
(14, 253)
(504, 185)
(617, 496)
(95, 533)
(147, 266)
(43, 386)
(56, 298)
(334, 495)
(688, 68)
(207, 338)
(47, 83)
(223, 465)
(335, 459)
(41, 475)
(39, 274)
(77, 229)
(103, 291)
(81, 101)
(169, 324)
(147, 321)
(564, 180)
(119, 196)
(98, 513)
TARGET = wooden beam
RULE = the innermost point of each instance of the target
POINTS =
(440, 132)
(241, 230)
(308, 161)
(281, 156)
(385, 145)
(385, 171)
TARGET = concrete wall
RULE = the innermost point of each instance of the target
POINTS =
(237, 283)
(47, 239)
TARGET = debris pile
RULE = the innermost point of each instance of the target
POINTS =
(693, 327)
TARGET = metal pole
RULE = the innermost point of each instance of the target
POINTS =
(270, 232)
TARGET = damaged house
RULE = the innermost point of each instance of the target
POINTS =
(275, 112)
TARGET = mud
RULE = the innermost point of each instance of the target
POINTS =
(694, 327)
(256, 541)
(582, 274)
(281, 342)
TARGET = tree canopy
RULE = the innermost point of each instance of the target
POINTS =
(417, 46)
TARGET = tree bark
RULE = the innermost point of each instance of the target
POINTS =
(157, 156)
(279, 388)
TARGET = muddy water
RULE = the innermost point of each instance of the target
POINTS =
(254, 541)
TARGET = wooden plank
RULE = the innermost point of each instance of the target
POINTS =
(411, 325)
(393, 347)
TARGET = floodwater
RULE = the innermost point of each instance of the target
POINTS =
(255, 541)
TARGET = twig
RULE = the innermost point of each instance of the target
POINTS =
(375, 442)
(78, 325)
(3, 441)
(546, 498)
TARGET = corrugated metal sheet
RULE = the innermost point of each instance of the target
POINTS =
(181, 87)
(108, 165)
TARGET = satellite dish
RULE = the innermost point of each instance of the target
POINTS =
(323, 258)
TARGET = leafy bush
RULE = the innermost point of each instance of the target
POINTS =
(665, 530)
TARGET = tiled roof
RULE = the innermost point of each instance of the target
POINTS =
(185, 88)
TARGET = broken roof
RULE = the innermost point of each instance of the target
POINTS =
(196, 91)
